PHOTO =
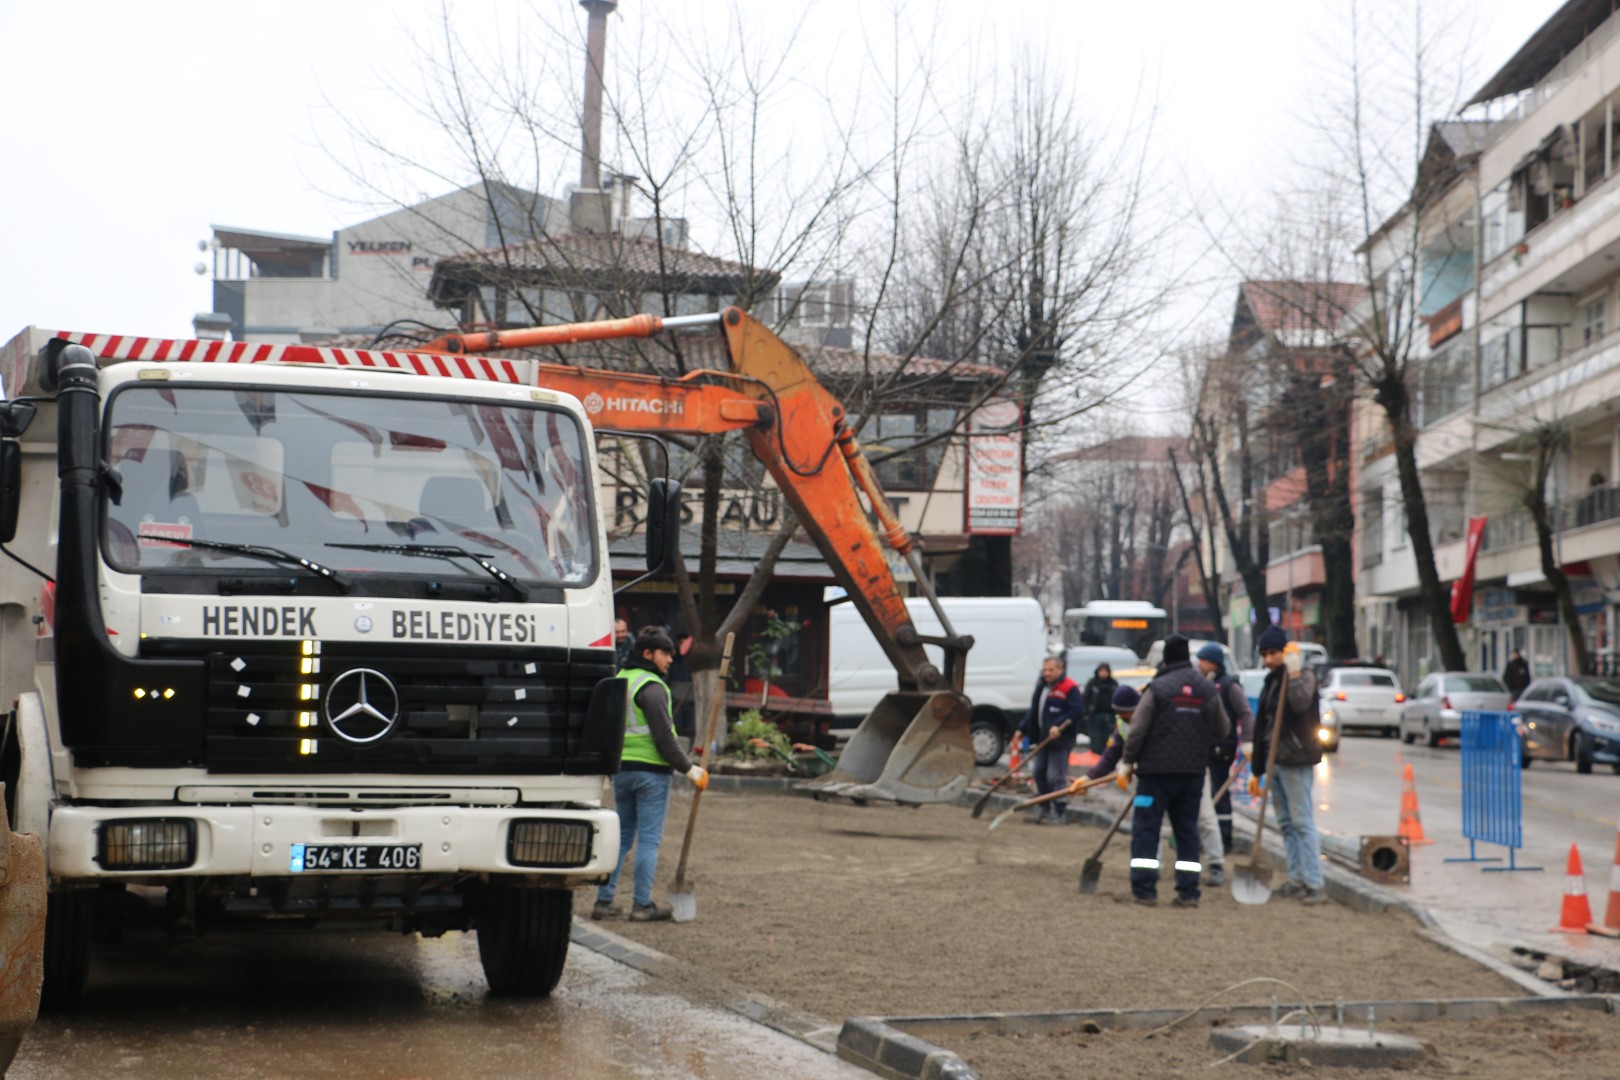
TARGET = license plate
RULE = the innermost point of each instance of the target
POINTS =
(307, 857)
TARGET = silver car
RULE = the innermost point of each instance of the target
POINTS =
(1360, 697)
(1435, 709)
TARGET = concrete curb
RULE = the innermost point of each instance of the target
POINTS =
(808, 1028)
(904, 1047)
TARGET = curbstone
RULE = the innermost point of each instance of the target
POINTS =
(895, 1055)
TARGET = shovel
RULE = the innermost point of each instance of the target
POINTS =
(984, 800)
(683, 904)
(1251, 884)
(1073, 789)
(1091, 872)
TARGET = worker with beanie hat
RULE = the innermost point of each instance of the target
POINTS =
(1299, 749)
(1125, 700)
(1177, 719)
(1212, 663)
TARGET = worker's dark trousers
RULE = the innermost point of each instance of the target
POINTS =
(1223, 805)
(1052, 774)
(1178, 795)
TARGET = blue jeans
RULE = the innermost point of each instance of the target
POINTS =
(1291, 791)
(1052, 774)
(641, 799)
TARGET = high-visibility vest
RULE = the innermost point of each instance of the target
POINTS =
(638, 740)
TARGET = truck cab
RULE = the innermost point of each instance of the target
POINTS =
(304, 636)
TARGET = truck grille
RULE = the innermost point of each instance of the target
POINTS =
(461, 709)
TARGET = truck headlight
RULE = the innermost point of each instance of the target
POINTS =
(539, 842)
(147, 844)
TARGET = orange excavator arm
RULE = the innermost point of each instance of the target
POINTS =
(917, 745)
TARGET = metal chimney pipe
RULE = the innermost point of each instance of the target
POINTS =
(590, 166)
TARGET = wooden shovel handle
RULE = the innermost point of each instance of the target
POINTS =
(708, 747)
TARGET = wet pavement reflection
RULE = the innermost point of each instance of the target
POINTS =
(376, 1006)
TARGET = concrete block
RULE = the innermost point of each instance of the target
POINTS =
(1257, 1044)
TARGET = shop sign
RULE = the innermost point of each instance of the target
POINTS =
(1499, 607)
(995, 495)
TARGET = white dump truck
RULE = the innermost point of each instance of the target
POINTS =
(304, 635)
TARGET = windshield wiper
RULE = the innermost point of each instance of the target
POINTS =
(447, 552)
(267, 554)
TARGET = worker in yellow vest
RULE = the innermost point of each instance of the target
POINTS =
(641, 787)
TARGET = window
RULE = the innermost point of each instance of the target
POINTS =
(1364, 678)
(1425, 689)
(1592, 319)
(1474, 684)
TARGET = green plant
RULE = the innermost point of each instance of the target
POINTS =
(750, 726)
(763, 650)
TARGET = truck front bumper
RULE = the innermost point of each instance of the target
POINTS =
(270, 841)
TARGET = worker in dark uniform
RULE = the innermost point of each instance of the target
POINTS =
(1177, 721)
(641, 787)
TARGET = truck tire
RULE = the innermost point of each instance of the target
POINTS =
(523, 938)
(70, 917)
(989, 740)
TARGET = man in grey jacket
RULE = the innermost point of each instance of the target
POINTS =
(1174, 725)
(1299, 749)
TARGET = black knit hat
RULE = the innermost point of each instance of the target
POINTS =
(653, 637)
(1175, 649)
(1272, 639)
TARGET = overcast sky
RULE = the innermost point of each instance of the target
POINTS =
(130, 128)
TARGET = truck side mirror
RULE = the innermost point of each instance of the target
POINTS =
(663, 525)
(10, 488)
(15, 416)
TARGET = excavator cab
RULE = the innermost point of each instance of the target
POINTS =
(912, 748)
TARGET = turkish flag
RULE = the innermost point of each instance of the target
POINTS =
(1462, 590)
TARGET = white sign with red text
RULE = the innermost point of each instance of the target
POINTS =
(995, 493)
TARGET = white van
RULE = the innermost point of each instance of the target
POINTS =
(1009, 636)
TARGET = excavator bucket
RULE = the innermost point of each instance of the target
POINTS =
(22, 935)
(912, 748)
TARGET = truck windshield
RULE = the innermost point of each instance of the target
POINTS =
(304, 470)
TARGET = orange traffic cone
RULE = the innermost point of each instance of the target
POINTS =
(1411, 827)
(1610, 926)
(1576, 915)
(1014, 758)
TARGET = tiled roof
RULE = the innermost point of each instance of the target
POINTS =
(1293, 307)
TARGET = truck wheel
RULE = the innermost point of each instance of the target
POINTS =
(523, 938)
(988, 742)
(70, 917)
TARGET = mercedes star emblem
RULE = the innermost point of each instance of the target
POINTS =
(362, 705)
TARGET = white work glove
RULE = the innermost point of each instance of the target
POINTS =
(1293, 659)
(699, 777)
(1122, 774)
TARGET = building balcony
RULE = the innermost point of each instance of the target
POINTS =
(1302, 569)
(1594, 506)
(1563, 254)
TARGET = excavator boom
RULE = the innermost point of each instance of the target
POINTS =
(915, 746)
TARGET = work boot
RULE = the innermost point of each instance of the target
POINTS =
(600, 911)
(1037, 816)
(1289, 888)
(649, 913)
(1312, 897)
(1216, 876)
(1145, 901)
(1184, 901)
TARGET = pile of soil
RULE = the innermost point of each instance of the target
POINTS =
(896, 911)
(1572, 1043)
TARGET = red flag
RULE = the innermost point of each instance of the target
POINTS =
(1462, 590)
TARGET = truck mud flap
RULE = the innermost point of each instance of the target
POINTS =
(912, 748)
(22, 935)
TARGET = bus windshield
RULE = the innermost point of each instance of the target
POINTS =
(1134, 626)
(304, 470)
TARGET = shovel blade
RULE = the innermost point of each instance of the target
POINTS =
(683, 906)
(1090, 875)
(1252, 884)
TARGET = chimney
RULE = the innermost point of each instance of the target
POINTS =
(591, 209)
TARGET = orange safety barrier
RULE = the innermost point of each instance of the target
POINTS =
(1576, 914)
(1411, 826)
(1610, 926)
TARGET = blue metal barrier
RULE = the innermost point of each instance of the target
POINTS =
(1491, 806)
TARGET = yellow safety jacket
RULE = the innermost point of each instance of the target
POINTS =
(638, 740)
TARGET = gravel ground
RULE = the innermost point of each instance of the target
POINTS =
(892, 911)
(1574, 1043)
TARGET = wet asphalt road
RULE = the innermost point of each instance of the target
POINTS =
(378, 1006)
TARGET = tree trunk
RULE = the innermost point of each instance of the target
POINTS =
(1391, 394)
(1542, 514)
(1211, 594)
(1317, 417)
(1237, 542)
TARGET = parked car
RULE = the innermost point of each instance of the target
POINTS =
(1366, 698)
(1009, 644)
(1155, 655)
(1434, 711)
(1083, 661)
(1571, 719)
